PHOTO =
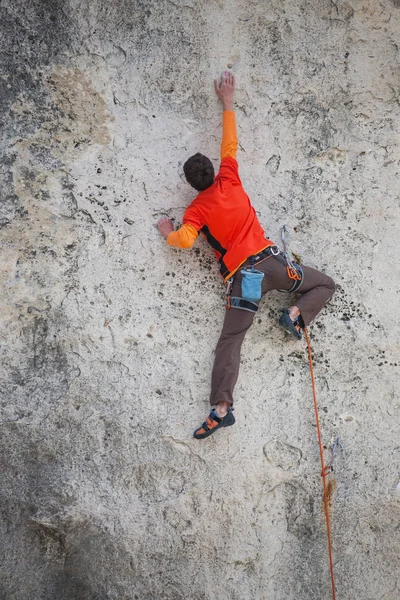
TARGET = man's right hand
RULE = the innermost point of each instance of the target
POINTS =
(165, 226)
(225, 89)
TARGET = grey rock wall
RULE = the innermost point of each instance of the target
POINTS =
(107, 334)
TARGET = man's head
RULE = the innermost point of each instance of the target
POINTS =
(199, 172)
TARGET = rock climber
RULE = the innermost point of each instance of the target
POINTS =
(222, 212)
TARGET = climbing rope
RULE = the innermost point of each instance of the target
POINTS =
(326, 469)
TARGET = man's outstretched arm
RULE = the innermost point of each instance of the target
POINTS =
(225, 90)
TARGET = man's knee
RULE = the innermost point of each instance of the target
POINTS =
(331, 284)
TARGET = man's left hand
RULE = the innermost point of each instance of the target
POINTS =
(165, 226)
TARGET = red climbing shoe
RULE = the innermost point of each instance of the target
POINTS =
(290, 326)
(214, 422)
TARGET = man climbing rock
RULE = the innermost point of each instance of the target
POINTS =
(250, 264)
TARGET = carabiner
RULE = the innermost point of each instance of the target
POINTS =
(228, 286)
(292, 272)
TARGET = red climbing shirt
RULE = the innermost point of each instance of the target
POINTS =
(223, 212)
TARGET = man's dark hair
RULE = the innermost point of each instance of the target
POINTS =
(199, 172)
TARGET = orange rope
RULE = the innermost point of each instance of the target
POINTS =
(325, 469)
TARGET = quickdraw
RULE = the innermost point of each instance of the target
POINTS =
(292, 268)
(337, 445)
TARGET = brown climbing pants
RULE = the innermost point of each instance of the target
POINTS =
(314, 292)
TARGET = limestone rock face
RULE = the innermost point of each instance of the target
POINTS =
(107, 334)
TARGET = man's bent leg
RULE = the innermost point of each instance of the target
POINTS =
(227, 355)
(315, 291)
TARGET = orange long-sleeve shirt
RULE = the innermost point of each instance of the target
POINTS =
(223, 212)
(186, 235)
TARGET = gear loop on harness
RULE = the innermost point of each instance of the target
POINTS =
(298, 280)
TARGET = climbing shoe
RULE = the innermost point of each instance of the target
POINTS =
(212, 423)
(292, 327)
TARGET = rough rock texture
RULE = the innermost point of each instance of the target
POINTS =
(107, 335)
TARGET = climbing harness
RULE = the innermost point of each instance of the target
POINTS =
(326, 469)
(251, 283)
(252, 278)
